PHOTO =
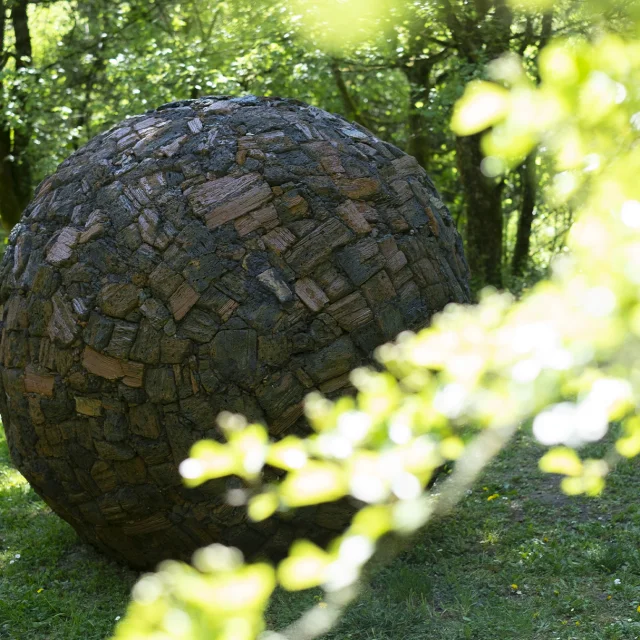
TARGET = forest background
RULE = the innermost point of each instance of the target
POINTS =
(71, 69)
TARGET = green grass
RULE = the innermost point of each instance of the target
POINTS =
(564, 554)
(454, 583)
(59, 588)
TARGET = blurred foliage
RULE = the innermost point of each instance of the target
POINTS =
(566, 358)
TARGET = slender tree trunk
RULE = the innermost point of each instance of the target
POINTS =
(483, 204)
(527, 212)
(21, 30)
(418, 76)
(11, 202)
(483, 196)
(92, 79)
(15, 170)
(351, 107)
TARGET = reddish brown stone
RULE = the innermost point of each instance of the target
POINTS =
(298, 207)
(313, 249)
(354, 217)
(433, 222)
(101, 365)
(279, 240)
(267, 217)
(89, 406)
(183, 298)
(245, 225)
(112, 368)
(287, 419)
(351, 312)
(359, 188)
(333, 385)
(311, 294)
(40, 384)
(332, 281)
(239, 195)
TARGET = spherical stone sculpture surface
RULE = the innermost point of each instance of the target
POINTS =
(215, 254)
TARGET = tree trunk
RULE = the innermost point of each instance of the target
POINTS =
(418, 76)
(483, 196)
(527, 212)
(90, 77)
(15, 170)
(12, 202)
(483, 204)
(3, 20)
(352, 110)
(22, 35)
(91, 80)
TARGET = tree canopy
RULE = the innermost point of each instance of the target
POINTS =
(71, 69)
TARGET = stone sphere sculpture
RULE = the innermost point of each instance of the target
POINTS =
(215, 254)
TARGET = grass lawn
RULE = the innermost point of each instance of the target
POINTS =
(517, 561)
(52, 587)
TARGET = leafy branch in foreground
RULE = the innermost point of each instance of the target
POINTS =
(565, 356)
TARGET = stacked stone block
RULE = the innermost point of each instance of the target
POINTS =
(215, 254)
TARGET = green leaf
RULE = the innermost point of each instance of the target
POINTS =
(306, 566)
(532, 5)
(215, 460)
(373, 521)
(316, 482)
(561, 460)
(289, 453)
(263, 506)
(242, 590)
(629, 445)
(250, 446)
(482, 105)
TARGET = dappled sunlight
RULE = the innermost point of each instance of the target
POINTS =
(341, 25)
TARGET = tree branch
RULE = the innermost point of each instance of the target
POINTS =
(439, 502)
